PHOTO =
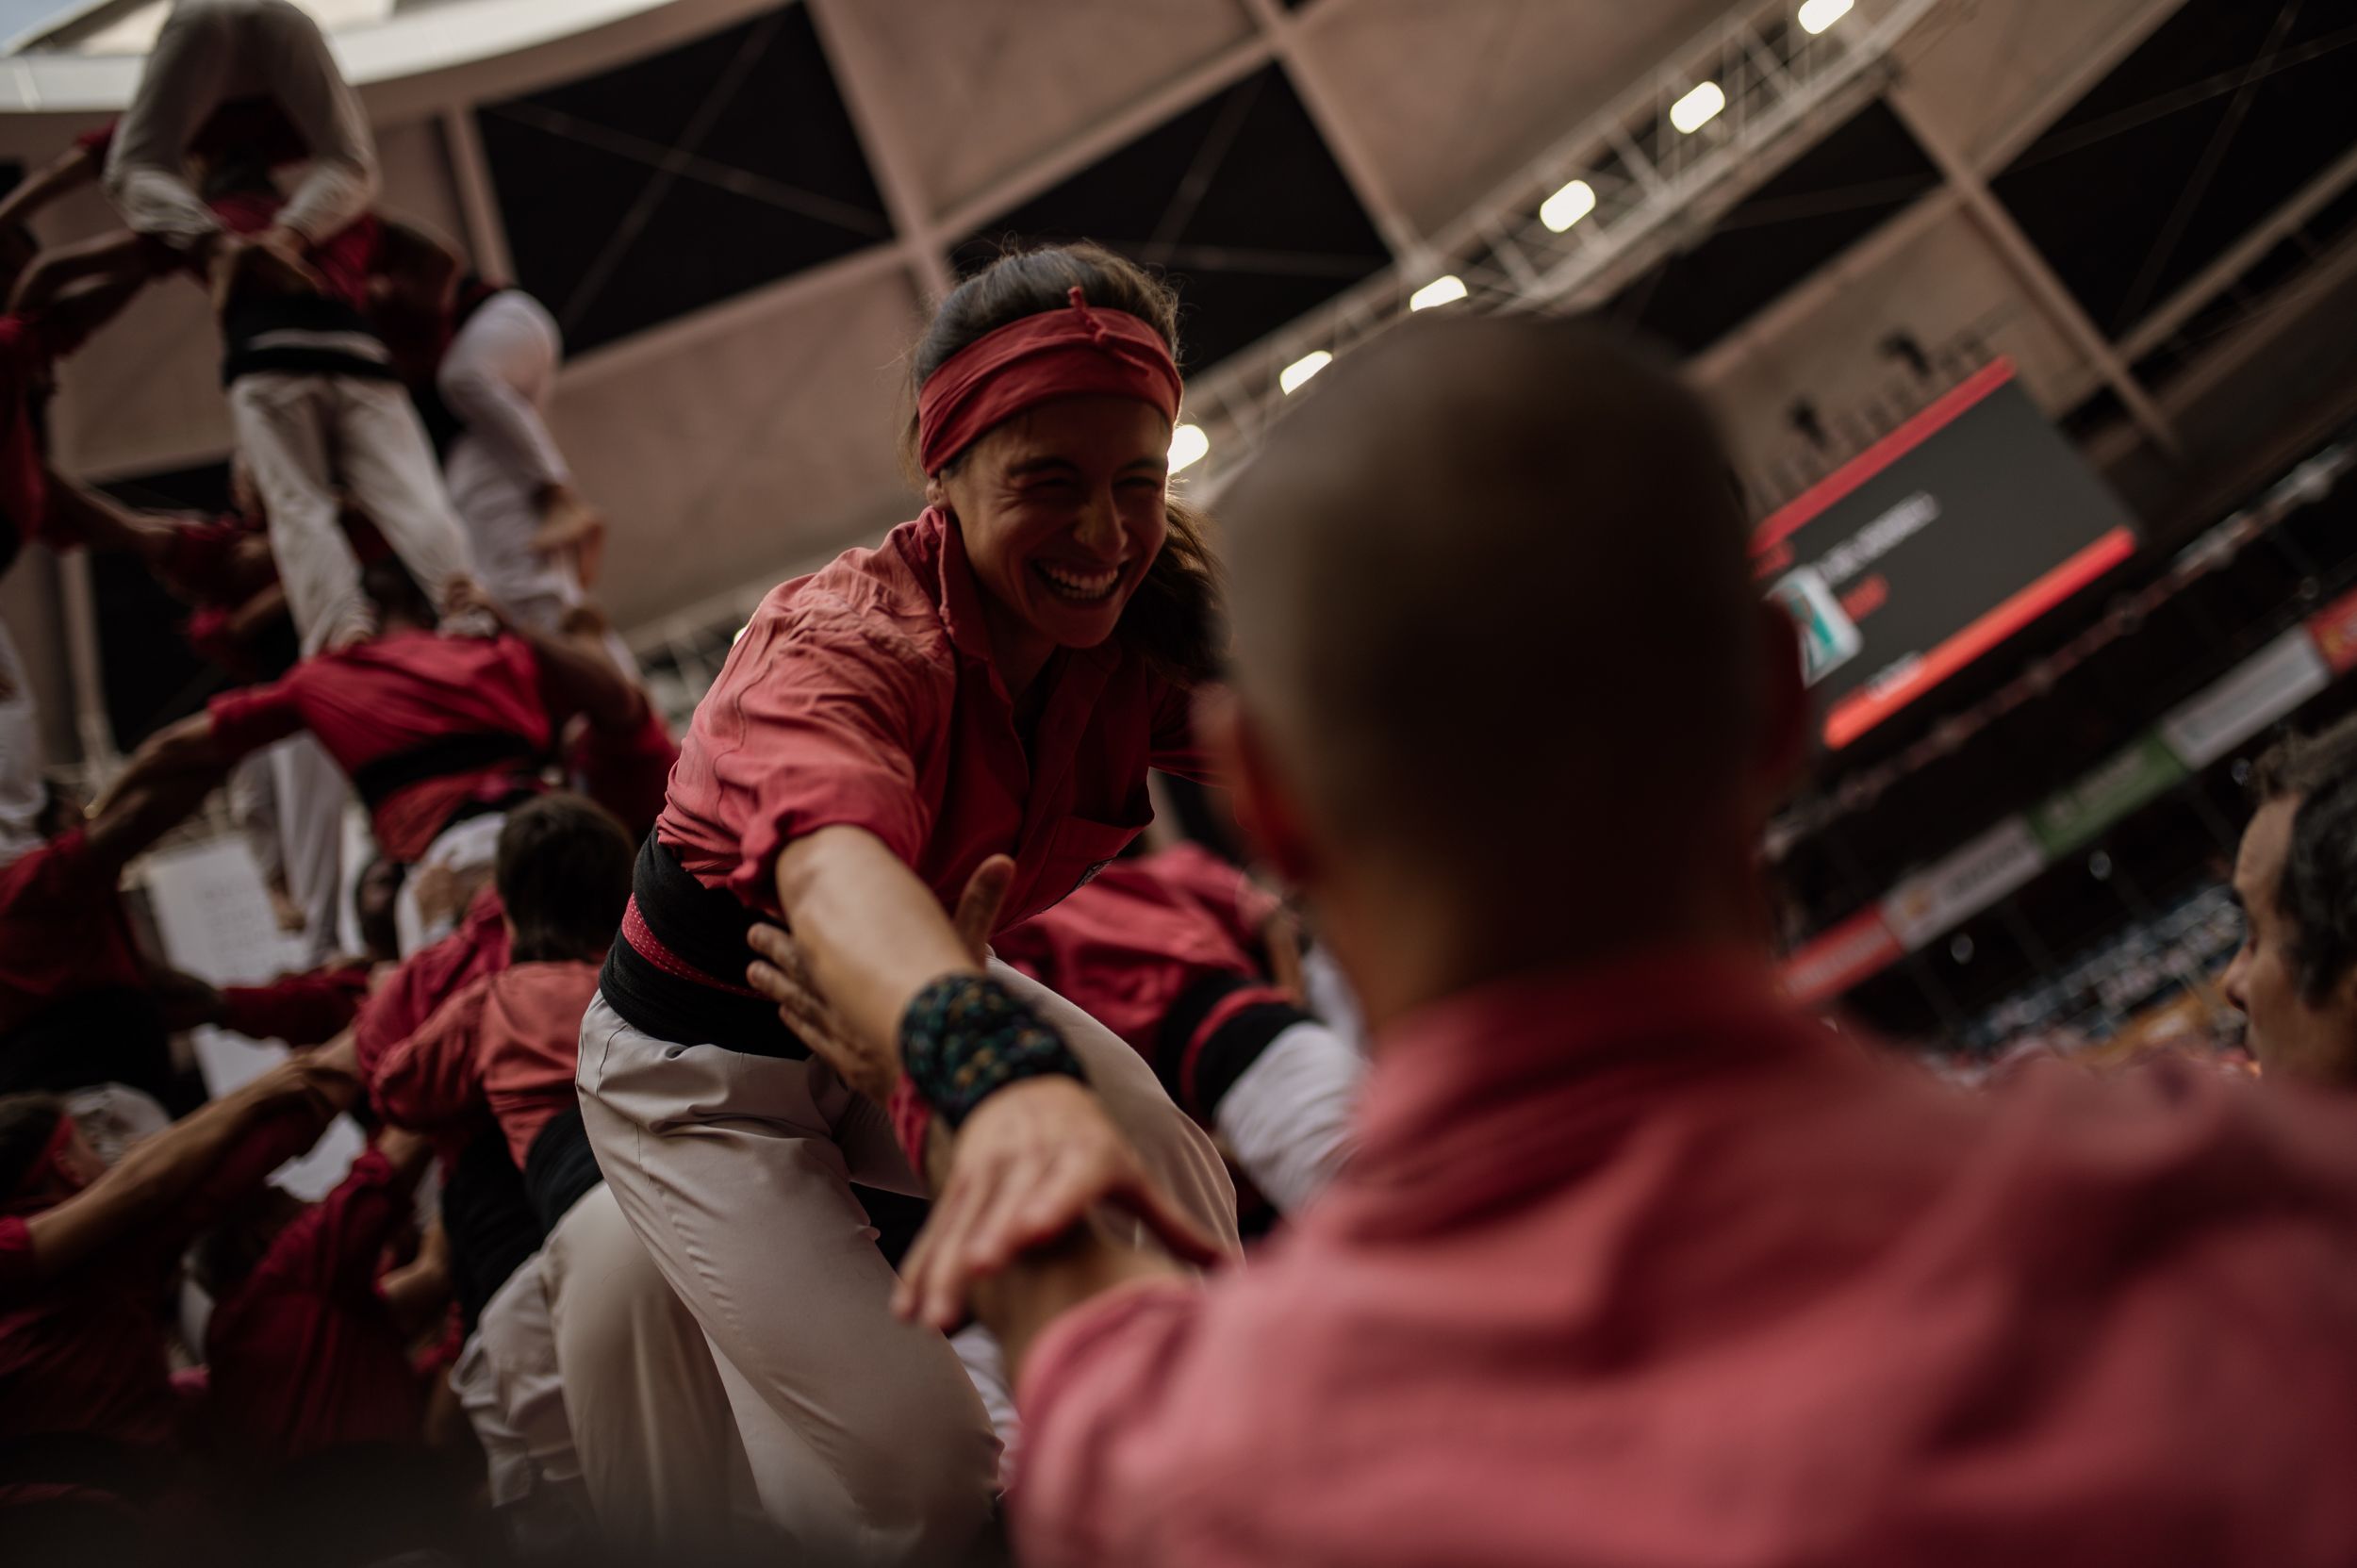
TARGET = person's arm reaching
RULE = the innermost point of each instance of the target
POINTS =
(103, 523)
(167, 780)
(1010, 1229)
(157, 1175)
(68, 172)
(576, 674)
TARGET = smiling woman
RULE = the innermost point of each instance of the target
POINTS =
(975, 704)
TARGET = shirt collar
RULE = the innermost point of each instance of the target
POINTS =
(1543, 1032)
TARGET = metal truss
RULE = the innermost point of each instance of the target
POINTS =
(1644, 182)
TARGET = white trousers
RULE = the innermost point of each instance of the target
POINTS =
(301, 435)
(868, 1441)
(310, 793)
(586, 1369)
(24, 787)
(499, 377)
(212, 52)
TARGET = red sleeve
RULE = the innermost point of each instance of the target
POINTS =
(1240, 905)
(820, 731)
(425, 981)
(308, 1009)
(56, 874)
(1173, 745)
(333, 1247)
(434, 1077)
(1100, 1392)
(16, 1260)
(251, 718)
(100, 141)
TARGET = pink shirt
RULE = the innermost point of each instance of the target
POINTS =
(864, 695)
(1641, 1269)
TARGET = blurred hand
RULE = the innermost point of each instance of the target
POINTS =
(872, 1067)
(326, 1081)
(571, 528)
(464, 596)
(185, 1000)
(1029, 1164)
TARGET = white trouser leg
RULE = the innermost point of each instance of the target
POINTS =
(866, 1443)
(1286, 1117)
(311, 792)
(22, 788)
(283, 424)
(388, 463)
(654, 1440)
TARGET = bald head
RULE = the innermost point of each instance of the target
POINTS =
(1492, 601)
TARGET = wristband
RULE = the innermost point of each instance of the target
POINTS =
(965, 1037)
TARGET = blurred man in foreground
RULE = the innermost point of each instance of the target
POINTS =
(1634, 1263)
(2296, 878)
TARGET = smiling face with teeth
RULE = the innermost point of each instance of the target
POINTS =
(1062, 512)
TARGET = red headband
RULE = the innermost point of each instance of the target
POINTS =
(1055, 354)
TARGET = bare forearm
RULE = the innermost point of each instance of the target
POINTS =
(1018, 1304)
(871, 933)
(147, 1183)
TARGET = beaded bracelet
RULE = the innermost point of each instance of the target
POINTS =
(965, 1037)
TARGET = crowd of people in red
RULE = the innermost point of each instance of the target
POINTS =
(831, 1137)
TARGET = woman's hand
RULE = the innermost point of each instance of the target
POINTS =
(1029, 1164)
(871, 1067)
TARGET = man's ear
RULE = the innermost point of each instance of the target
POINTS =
(936, 493)
(1264, 808)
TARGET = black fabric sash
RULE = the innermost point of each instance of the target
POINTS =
(560, 1166)
(1221, 1059)
(444, 755)
(703, 928)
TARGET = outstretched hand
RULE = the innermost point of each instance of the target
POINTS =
(1030, 1163)
(871, 1067)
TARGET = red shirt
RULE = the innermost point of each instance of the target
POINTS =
(628, 772)
(62, 929)
(307, 1008)
(391, 695)
(508, 1041)
(1123, 947)
(306, 1354)
(427, 979)
(88, 1354)
(864, 695)
(1641, 1268)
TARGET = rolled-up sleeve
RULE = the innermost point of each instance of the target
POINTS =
(822, 731)
(434, 1077)
(251, 718)
(1102, 1398)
